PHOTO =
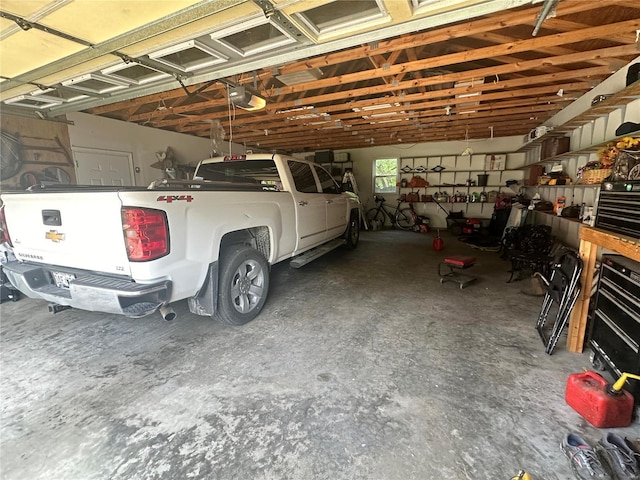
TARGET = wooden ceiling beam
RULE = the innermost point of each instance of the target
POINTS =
(476, 54)
(424, 121)
(334, 140)
(497, 38)
(348, 121)
(449, 100)
(478, 73)
(494, 22)
(438, 104)
(502, 84)
(556, 79)
(157, 97)
(564, 25)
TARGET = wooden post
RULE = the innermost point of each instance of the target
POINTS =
(578, 319)
(590, 240)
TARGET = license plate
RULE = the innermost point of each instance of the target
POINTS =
(62, 279)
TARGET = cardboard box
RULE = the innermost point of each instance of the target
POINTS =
(554, 146)
(535, 171)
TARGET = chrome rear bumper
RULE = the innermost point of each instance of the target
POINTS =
(88, 291)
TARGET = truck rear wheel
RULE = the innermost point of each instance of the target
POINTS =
(244, 285)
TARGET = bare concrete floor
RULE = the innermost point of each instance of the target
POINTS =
(361, 366)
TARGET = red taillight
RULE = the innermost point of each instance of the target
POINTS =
(4, 231)
(146, 234)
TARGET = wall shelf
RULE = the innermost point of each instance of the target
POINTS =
(453, 178)
(589, 132)
(559, 217)
(583, 151)
(571, 185)
(601, 109)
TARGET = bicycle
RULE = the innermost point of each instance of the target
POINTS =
(402, 218)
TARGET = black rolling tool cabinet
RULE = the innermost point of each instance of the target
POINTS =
(615, 327)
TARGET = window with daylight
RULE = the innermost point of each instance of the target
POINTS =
(385, 175)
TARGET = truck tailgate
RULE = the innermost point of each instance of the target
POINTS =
(70, 229)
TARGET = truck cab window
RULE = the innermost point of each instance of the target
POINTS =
(327, 182)
(303, 177)
(259, 172)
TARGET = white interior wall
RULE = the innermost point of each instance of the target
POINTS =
(363, 158)
(91, 131)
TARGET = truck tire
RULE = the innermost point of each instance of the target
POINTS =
(243, 285)
(352, 235)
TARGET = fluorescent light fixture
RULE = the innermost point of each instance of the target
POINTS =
(468, 105)
(300, 113)
(303, 76)
(241, 97)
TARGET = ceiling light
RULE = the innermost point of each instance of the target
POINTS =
(241, 97)
(303, 76)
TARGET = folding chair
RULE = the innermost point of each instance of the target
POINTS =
(562, 290)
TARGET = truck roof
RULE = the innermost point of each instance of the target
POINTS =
(251, 156)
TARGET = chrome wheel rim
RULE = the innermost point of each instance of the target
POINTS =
(247, 286)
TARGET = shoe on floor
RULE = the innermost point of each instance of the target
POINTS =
(585, 463)
(621, 459)
(634, 444)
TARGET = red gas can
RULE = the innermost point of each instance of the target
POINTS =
(587, 393)
(438, 243)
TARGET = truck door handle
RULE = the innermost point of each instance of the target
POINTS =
(329, 201)
(302, 203)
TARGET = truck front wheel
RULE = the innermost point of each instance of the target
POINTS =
(353, 230)
(243, 285)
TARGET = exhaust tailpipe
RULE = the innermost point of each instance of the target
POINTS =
(167, 313)
(56, 308)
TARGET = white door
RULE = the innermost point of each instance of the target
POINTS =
(103, 167)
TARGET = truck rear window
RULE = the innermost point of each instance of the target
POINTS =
(252, 172)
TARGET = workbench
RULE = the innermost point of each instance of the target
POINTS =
(590, 239)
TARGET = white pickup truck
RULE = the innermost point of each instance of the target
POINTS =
(211, 240)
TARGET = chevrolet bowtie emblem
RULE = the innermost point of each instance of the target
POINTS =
(54, 236)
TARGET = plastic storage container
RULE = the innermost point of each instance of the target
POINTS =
(588, 394)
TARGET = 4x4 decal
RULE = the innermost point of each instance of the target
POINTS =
(174, 198)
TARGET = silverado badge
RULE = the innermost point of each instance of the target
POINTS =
(54, 236)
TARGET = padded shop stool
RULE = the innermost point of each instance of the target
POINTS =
(449, 270)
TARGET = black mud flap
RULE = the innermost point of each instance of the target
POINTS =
(205, 301)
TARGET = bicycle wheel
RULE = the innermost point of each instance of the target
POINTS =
(404, 219)
(375, 218)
